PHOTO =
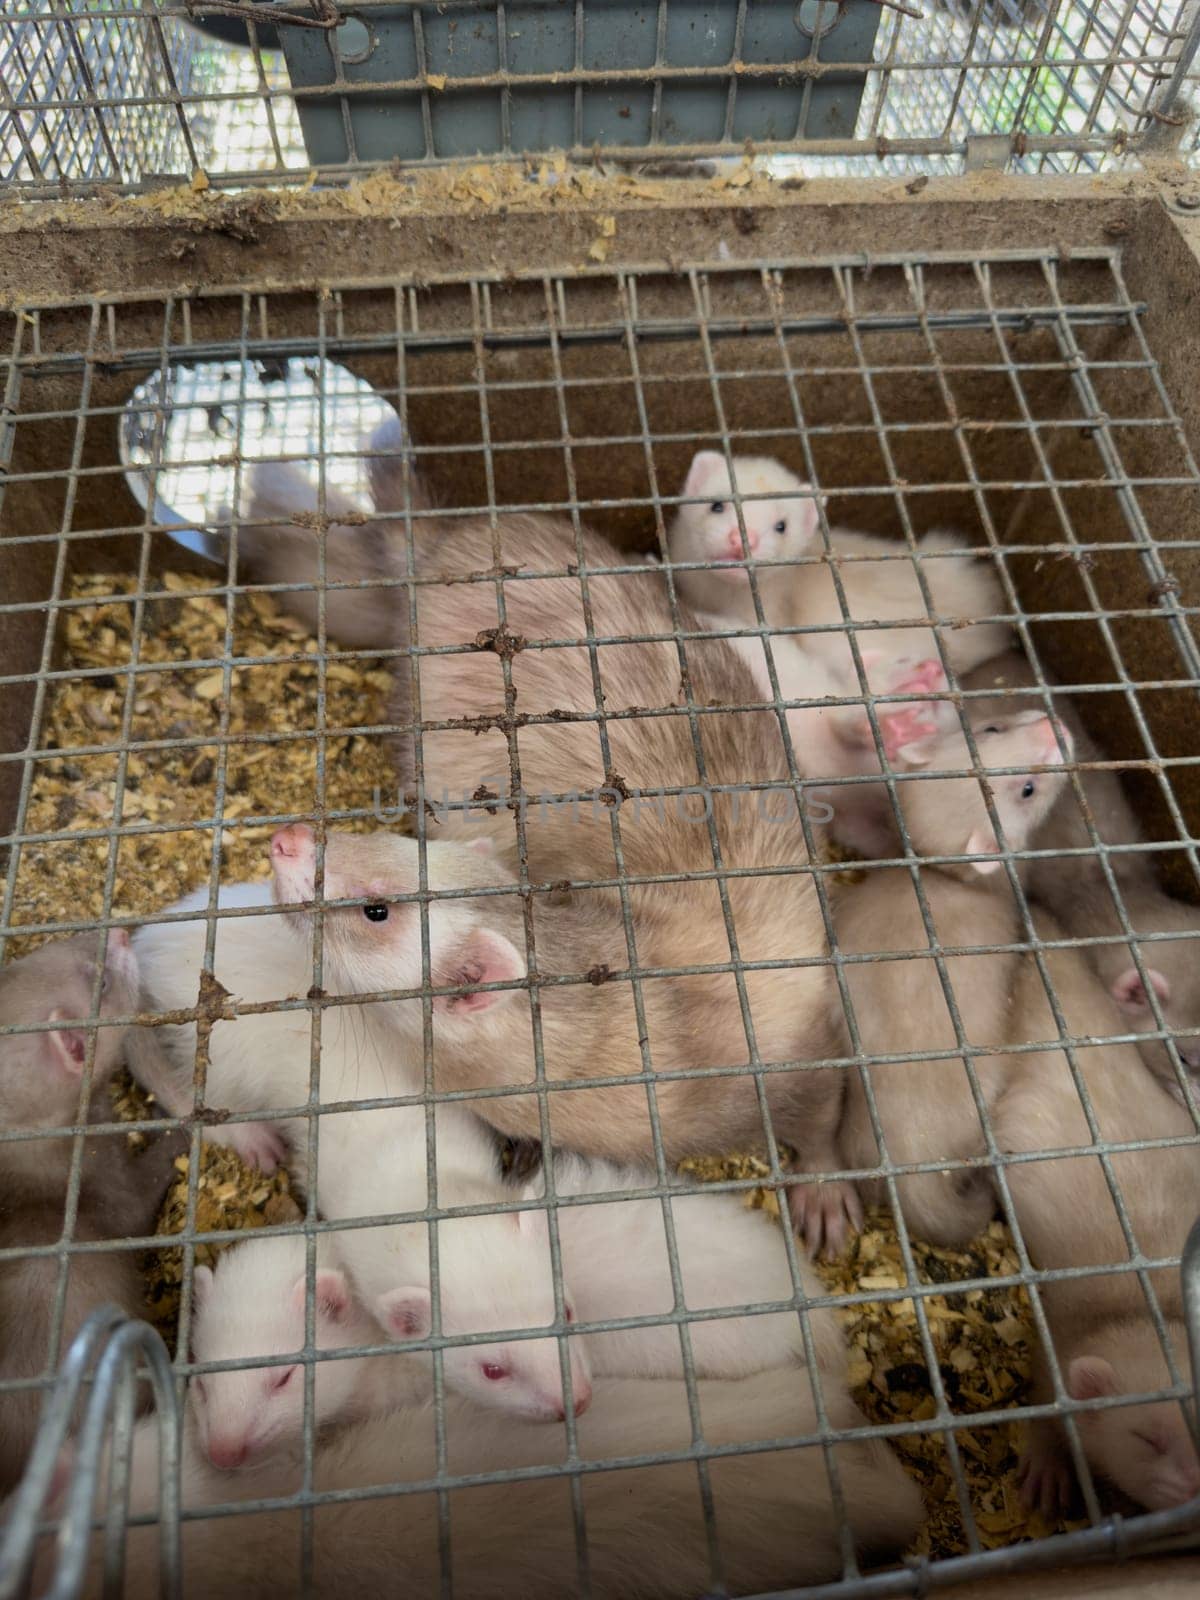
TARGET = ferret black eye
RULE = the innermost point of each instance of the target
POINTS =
(1028, 791)
(993, 727)
(284, 1379)
(376, 913)
(781, 526)
(717, 507)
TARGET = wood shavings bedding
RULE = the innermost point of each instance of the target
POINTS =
(981, 1338)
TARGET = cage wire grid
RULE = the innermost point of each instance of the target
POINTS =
(1079, 85)
(976, 300)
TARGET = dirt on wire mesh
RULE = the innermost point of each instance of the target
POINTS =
(982, 1337)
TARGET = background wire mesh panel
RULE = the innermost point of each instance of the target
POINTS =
(1070, 84)
(191, 727)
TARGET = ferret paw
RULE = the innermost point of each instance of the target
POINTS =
(905, 728)
(1045, 1478)
(826, 1215)
(260, 1144)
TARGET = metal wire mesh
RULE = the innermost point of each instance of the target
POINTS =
(1070, 84)
(1044, 426)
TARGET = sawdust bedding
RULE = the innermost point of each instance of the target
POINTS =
(982, 1337)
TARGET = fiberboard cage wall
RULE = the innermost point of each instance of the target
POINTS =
(1034, 397)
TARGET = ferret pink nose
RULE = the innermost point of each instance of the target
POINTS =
(118, 938)
(735, 543)
(227, 1453)
(293, 843)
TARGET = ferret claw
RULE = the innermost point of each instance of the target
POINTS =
(1045, 1479)
(826, 1215)
(260, 1144)
(900, 725)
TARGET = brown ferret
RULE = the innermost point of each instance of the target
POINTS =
(1075, 890)
(773, 908)
(926, 1109)
(1104, 1339)
(41, 1086)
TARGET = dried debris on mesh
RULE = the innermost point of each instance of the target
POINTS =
(981, 1338)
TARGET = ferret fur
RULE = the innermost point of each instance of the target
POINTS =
(1074, 888)
(775, 1523)
(252, 1304)
(1065, 1212)
(370, 1162)
(589, 1030)
(879, 576)
(493, 1268)
(615, 1259)
(41, 1087)
(926, 1108)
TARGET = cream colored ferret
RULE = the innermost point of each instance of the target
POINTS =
(1105, 1342)
(926, 1108)
(879, 577)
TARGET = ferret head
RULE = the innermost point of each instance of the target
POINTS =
(40, 1072)
(781, 527)
(377, 945)
(252, 1304)
(949, 816)
(1146, 1450)
(494, 1275)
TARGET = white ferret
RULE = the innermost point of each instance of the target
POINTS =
(615, 1257)
(879, 576)
(261, 1060)
(493, 1269)
(1104, 1340)
(775, 1524)
(370, 1162)
(495, 1274)
(926, 1108)
(257, 1061)
(251, 1304)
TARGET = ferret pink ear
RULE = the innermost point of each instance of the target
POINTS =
(202, 1282)
(406, 1313)
(332, 1291)
(1090, 1378)
(706, 464)
(1130, 994)
(69, 1045)
(482, 957)
(982, 842)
